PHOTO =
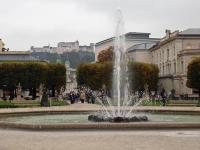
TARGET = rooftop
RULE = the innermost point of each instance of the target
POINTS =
(14, 53)
(190, 31)
(16, 56)
(129, 35)
(142, 46)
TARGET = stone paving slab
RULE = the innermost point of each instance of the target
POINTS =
(99, 140)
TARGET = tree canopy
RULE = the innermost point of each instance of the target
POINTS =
(31, 75)
(106, 55)
(95, 75)
(193, 74)
(98, 74)
(142, 74)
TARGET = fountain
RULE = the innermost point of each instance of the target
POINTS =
(122, 107)
(118, 109)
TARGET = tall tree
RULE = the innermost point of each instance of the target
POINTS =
(193, 75)
(106, 55)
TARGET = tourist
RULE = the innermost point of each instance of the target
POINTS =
(163, 96)
(93, 97)
(82, 96)
(87, 96)
(72, 97)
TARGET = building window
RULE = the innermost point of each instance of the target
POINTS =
(182, 66)
(160, 56)
(174, 68)
(163, 55)
(160, 69)
(169, 69)
(163, 69)
(157, 57)
(174, 50)
(167, 54)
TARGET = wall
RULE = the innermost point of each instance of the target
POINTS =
(140, 56)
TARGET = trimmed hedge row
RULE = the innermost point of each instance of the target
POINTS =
(31, 75)
(98, 74)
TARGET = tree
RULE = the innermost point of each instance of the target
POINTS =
(142, 74)
(31, 75)
(106, 55)
(193, 75)
(34, 76)
(90, 75)
(107, 72)
(98, 74)
(56, 78)
(152, 77)
(137, 76)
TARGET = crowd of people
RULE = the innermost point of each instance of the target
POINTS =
(86, 95)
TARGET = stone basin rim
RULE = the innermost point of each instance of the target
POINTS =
(102, 126)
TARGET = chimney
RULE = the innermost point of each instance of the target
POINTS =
(168, 32)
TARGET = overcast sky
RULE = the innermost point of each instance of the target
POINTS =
(41, 22)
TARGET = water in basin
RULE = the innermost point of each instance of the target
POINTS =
(83, 118)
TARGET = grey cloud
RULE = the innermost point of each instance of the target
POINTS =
(37, 22)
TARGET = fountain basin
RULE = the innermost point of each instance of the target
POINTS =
(80, 122)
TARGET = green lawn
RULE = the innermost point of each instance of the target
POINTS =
(28, 103)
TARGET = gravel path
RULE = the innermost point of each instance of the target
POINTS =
(99, 140)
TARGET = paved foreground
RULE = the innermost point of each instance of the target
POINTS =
(99, 140)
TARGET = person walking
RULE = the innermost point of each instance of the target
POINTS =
(164, 97)
(82, 97)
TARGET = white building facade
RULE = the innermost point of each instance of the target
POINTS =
(131, 39)
(172, 55)
(140, 52)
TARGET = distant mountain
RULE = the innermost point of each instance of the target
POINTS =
(75, 58)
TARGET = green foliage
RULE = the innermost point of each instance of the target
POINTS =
(142, 74)
(4, 104)
(98, 74)
(90, 75)
(193, 74)
(107, 74)
(56, 76)
(106, 55)
(59, 103)
(32, 75)
(7, 104)
(95, 75)
(152, 77)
